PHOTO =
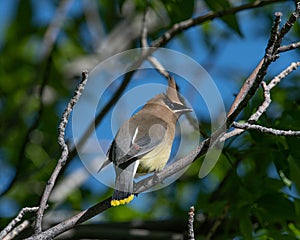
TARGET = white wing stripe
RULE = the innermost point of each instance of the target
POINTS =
(135, 134)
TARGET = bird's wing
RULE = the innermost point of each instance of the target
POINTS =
(142, 140)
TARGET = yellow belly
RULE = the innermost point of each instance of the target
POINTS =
(156, 159)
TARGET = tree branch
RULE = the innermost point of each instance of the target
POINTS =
(16, 220)
(251, 84)
(181, 26)
(144, 43)
(64, 154)
(17, 230)
(73, 221)
(288, 47)
(271, 54)
(191, 235)
(263, 107)
(276, 132)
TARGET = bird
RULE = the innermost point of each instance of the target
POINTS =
(143, 143)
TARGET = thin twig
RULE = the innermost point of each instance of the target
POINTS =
(274, 35)
(288, 47)
(64, 154)
(263, 107)
(101, 114)
(191, 235)
(276, 132)
(144, 32)
(267, 88)
(159, 67)
(144, 43)
(286, 28)
(231, 134)
(293, 66)
(252, 83)
(17, 230)
(16, 220)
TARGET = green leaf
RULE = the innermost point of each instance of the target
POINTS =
(230, 20)
(245, 223)
(261, 234)
(179, 10)
(295, 230)
(270, 212)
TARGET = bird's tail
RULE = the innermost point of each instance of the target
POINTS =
(123, 192)
(120, 197)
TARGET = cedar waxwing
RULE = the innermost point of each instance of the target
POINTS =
(143, 144)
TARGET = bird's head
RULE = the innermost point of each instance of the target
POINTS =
(170, 101)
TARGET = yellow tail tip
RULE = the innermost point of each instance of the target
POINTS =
(115, 202)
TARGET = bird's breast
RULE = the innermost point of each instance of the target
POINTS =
(157, 158)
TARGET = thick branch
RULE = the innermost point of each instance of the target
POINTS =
(71, 222)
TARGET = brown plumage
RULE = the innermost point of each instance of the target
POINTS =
(143, 144)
